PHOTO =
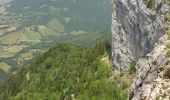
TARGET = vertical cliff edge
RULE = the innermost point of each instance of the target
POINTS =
(136, 26)
(152, 81)
(138, 35)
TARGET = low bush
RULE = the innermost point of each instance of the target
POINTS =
(132, 68)
(168, 53)
(166, 74)
(150, 4)
(167, 17)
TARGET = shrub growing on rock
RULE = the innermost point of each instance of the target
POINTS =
(167, 17)
(166, 73)
(132, 68)
(168, 53)
(150, 4)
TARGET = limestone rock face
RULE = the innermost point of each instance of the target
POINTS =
(135, 29)
(159, 89)
(149, 83)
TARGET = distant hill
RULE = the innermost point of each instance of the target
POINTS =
(4, 1)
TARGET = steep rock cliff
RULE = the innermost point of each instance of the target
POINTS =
(150, 82)
(135, 29)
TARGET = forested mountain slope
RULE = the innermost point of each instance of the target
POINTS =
(67, 72)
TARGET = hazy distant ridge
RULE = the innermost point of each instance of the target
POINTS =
(4, 1)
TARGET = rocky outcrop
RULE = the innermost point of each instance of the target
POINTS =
(135, 29)
(138, 35)
(158, 90)
(149, 83)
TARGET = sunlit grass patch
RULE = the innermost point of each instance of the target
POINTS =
(10, 38)
(56, 25)
(9, 52)
(5, 67)
(30, 36)
(46, 31)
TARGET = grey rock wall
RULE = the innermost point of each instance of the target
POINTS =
(148, 70)
(135, 29)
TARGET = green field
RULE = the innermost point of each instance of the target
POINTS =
(46, 31)
(30, 36)
(10, 38)
(5, 67)
(56, 25)
(6, 54)
(11, 51)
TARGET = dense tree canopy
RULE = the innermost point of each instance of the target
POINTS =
(63, 72)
